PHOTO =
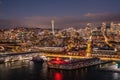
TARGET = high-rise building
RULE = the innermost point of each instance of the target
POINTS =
(115, 27)
(103, 27)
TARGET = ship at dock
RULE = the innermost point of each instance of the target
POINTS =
(37, 59)
(69, 64)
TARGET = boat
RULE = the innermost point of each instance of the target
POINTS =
(69, 64)
(2, 60)
(37, 60)
(112, 67)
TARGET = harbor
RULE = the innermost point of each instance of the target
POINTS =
(65, 63)
(27, 70)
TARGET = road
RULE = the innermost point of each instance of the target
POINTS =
(69, 56)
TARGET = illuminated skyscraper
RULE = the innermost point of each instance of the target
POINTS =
(53, 32)
(103, 27)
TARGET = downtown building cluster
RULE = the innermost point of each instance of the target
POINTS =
(91, 39)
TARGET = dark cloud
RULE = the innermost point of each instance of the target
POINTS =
(96, 14)
(103, 16)
(73, 21)
(67, 21)
(46, 21)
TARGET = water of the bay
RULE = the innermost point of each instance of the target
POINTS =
(27, 70)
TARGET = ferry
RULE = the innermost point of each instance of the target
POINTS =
(58, 63)
(2, 60)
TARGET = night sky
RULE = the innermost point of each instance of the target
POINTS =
(65, 12)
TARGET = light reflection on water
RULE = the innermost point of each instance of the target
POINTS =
(27, 70)
(58, 76)
(116, 76)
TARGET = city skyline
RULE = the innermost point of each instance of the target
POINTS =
(65, 13)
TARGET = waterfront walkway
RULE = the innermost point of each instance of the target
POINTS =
(69, 56)
(57, 55)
